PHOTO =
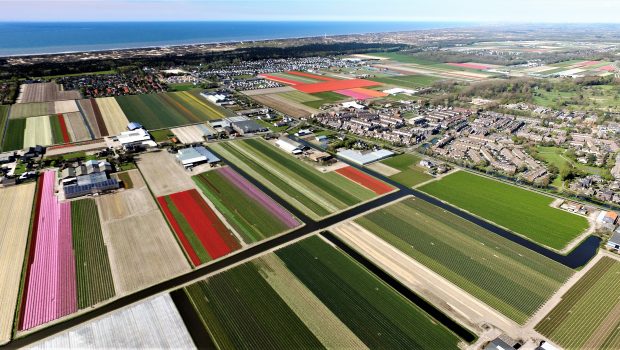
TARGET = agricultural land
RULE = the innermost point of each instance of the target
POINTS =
(525, 212)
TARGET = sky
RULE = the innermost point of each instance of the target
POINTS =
(492, 11)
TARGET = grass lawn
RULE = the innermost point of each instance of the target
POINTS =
(555, 156)
(524, 212)
(586, 318)
(407, 81)
(181, 87)
(508, 277)
(161, 135)
(411, 173)
(316, 193)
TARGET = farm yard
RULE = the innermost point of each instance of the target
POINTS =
(163, 174)
(517, 282)
(141, 247)
(15, 210)
(152, 323)
(588, 316)
(50, 284)
(311, 295)
(157, 111)
(316, 193)
(94, 277)
(201, 233)
(44, 92)
(247, 209)
(403, 168)
(522, 211)
(112, 116)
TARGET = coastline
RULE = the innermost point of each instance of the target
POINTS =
(170, 44)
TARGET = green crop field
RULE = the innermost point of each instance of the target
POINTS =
(94, 276)
(407, 81)
(317, 194)
(411, 173)
(325, 97)
(4, 116)
(404, 58)
(588, 315)
(310, 295)
(36, 109)
(251, 220)
(159, 111)
(503, 274)
(14, 135)
(299, 96)
(524, 212)
(126, 179)
(56, 130)
(297, 78)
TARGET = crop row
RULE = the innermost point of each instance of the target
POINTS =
(251, 212)
(589, 311)
(94, 276)
(311, 295)
(203, 236)
(504, 275)
(305, 187)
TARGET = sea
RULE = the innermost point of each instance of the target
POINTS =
(31, 38)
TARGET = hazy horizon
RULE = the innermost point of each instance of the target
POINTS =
(488, 11)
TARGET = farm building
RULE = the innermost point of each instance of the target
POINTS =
(88, 168)
(364, 157)
(289, 145)
(396, 91)
(89, 184)
(610, 218)
(353, 104)
(134, 126)
(135, 137)
(189, 157)
(8, 157)
(614, 241)
(245, 127)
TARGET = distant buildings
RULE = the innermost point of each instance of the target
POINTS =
(364, 157)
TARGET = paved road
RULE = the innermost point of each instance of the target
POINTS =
(578, 257)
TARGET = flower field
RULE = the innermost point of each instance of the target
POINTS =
(311, 295)
(316, 193)
(94, 276)
(506, 276)
(157, 111)
(248, 210)
(588, 317)
(50, 286)
(525, 212)
(201, 233)
(111, 116)
(377, 186)
(361, 93)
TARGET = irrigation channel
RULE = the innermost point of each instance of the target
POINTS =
(576, 258)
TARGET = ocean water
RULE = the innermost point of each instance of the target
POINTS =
(27, 38)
